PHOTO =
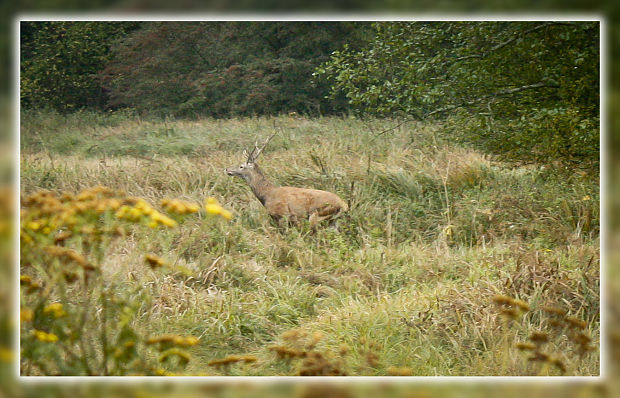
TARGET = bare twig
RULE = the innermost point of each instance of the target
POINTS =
(497, 94)
(377, 135)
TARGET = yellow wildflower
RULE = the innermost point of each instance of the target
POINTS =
(55, 309)
(159, 218)
(394, 371)
(179, 206)
(25, 238)
(135, 213)
(66, 197)
(33, 225)
(143, 207)
(190, 340)
(101, 206)
(587, 197)
(45, 337)
(526, 346)
(226, 214)
(166, 338)
(185, 341)
(67, 217)
(85, 195)
(183, 357)
(113, 203)
(192, 208)
(122, 212)
(223, 362)
(174, 339)
(214, 208)
(153, 261)
(81, 207)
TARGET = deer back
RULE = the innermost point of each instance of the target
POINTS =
(299, 203)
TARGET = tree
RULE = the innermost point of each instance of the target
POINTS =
(60, 62)
(530, 89)
(226, 68)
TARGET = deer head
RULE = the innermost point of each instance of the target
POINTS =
(247, 169)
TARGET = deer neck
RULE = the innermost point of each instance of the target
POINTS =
(259, 184)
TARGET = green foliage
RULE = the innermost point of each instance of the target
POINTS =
(73, 322)
(558, 134)
(532, 87)
(60, 62)
(222, 69)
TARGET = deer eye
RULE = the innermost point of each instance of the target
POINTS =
(241, 166)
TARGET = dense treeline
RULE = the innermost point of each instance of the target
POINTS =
(527, 91)
(182, 69)
(60, 62)
(523, 90)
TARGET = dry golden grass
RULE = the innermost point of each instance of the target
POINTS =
(406, 284)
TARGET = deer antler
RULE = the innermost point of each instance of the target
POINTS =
(253, 156)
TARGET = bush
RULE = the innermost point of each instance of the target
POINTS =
(72, 321)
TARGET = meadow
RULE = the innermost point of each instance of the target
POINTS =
(448, 263)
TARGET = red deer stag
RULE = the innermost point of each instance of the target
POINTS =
(287, 203)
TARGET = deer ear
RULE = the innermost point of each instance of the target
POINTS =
(245, 153)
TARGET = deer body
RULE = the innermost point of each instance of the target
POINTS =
(289, 203)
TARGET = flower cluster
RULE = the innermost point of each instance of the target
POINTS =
(302, 347)
(26, 281)
(154, 262)
(178, 206)
(572, 327)
(538, 343)
(214, 208)
(169, 346)
(172, 339)
(46, 214)
(64, 238)
(140, 210)
(45, 337)
(510, 307)
(231, 359)
(55, 309)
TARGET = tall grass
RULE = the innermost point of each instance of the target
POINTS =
(404, 286)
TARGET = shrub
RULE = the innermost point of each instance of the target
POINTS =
(73, 322)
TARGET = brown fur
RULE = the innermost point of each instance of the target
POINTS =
(290, 203)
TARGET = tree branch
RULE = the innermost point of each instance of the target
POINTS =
(377, 135)
(507, 42)
(497, 94)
